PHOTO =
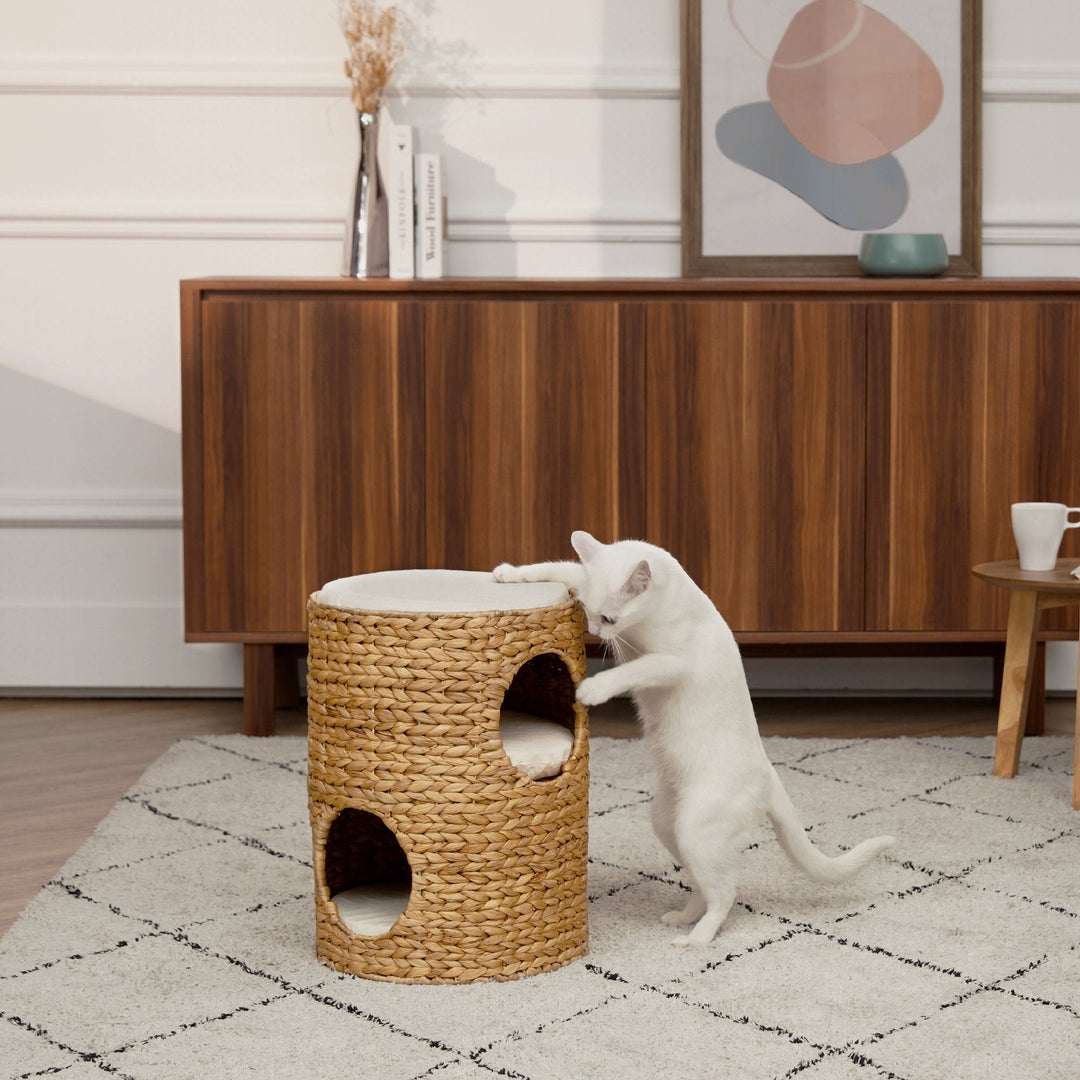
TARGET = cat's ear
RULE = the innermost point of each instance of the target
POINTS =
(585, 545)
(638, 581)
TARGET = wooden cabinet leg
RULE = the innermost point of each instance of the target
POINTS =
(1016, 680)
(258, 689)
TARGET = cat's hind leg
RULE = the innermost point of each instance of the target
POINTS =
(694, 910)
(663, 822)
(710, 843)
(710, 906)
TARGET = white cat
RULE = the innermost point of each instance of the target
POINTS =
(681, 663)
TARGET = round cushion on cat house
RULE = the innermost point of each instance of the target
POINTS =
(447, 776)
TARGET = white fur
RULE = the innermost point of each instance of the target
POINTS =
(679, 660)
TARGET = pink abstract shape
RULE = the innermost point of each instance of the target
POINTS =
(849, 84)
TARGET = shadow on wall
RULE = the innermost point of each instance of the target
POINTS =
(477, 200)
(56, 440)
(90, 551)
(475, 197)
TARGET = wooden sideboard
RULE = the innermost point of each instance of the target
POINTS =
(827, 457)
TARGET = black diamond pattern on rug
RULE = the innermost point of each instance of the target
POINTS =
(179, 940)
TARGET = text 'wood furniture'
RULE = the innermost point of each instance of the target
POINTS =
(827, 457)
(1032, 592)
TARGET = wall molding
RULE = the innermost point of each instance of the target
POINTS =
(84, 508)
(1031, 234)
(1031, 83)
(468, 77)
(274, 77)
(192, 220)
(198, 221)
(165, 220)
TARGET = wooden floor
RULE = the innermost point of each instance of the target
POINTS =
(66, 762)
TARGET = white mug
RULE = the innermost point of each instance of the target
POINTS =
(1038, 528)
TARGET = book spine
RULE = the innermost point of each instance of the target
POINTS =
(430, 233)
(399, 192)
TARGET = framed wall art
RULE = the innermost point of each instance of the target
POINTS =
(809, 123)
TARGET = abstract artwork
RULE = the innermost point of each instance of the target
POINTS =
(808, 124)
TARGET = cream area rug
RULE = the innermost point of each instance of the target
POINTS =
(179, 941)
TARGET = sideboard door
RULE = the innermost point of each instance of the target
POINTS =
(303, 456)
(756, 456)
(535, 427)
(978, 407)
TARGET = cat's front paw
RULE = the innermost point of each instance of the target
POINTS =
(505, 572)
(591, 691)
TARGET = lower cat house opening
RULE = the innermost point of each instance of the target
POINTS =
(367, 872)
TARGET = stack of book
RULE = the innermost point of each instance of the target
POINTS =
(415, 201)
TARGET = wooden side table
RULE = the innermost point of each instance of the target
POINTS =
(1033, 591)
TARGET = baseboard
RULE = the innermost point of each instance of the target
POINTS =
(93, 647)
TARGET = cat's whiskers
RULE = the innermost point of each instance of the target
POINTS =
(615, 646)
(620, 648)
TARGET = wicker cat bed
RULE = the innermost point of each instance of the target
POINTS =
(411, 789)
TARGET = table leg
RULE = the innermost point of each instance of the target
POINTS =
(1035, 719)
(1016, 680)
(258, 689)
(1076, 750)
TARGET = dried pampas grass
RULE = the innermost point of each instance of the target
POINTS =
(375, 46)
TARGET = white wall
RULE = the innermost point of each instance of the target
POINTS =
(143, 143)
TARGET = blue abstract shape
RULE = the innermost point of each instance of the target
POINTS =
(867, 196)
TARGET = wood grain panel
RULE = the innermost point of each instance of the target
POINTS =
(365, 499)
(310, 417)
(583, 443)
(528, 406)
(252, 480)
(756, 457)
(981, 405)
(473, 381)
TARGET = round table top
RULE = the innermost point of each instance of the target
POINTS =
(438, 592)
(1008, 574)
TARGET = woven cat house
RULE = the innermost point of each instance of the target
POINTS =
(447, 776)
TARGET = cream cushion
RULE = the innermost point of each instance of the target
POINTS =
(539, 748)
(438, 591)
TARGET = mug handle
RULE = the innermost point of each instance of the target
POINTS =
(1068, 513)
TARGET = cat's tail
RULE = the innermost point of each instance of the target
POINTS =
(795, 842)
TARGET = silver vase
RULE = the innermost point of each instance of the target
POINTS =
(367, 233)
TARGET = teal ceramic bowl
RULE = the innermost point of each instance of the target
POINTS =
(903, 254)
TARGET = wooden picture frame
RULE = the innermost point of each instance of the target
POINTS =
(737, 221)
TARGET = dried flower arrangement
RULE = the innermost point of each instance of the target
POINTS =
(375, 46)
